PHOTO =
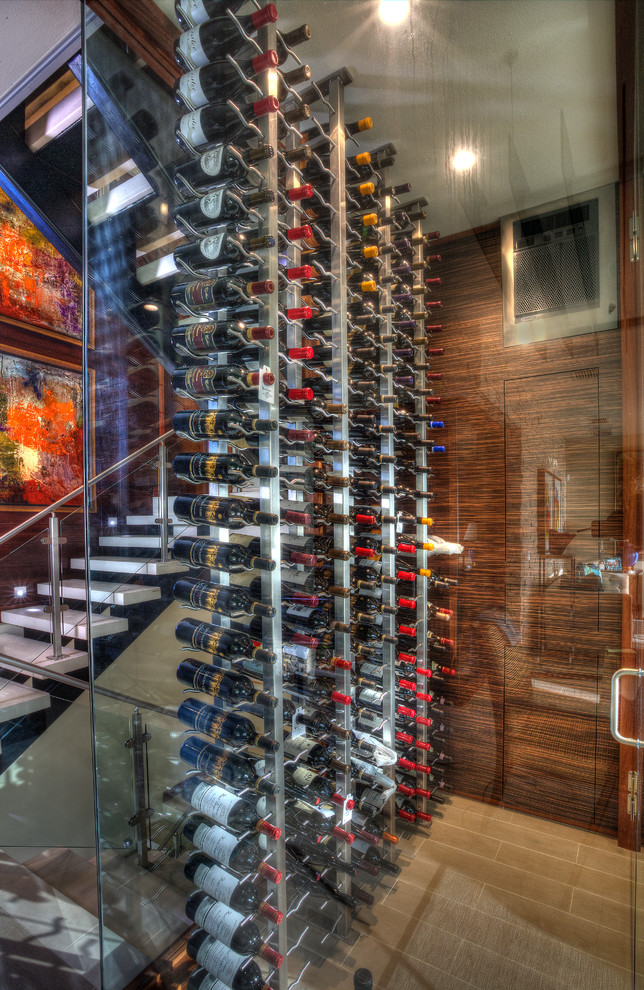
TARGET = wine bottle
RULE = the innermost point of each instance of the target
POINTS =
(229, 469)
(236, 730)
(236, 814)
(192, 12)
(232, 513)
(230, 927)
(223, 599)
(204, 339)
(226, 685)
(219, 81)
(312, 752)
(224, 202)
(228, 557)
(218, 762)
(218, 162)
(226, 424)
(239, 855)
(233, 970)
(218, 37)
(221, 642)
(220, 122)
(221, 380)
(225, 887)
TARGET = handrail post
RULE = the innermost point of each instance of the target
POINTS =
(162, 471)
(141, 817)
(54, 541)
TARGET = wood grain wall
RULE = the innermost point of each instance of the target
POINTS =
(530, 716)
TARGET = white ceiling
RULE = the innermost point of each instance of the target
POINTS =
(528, 84)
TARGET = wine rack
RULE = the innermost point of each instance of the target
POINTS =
(342, 411)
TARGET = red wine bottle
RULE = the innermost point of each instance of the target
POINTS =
(226, 685)
(219, 81)
(221, 247)
(234, 971)
(222, 599)
(233, 513)
(240, 855)
(219, 122)
(204, 339)
(218, 37)
(235, 813)
(223, 202)
(222, 642)
(223, 886)
(192, 12)
(236, 730)
(219, 380)
(228, 469)
(230, 927)
(218, 762)
(217, 162)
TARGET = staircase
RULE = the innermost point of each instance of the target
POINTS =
(131, 575)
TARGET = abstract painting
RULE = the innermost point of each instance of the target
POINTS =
(37, 285)
(41, 432)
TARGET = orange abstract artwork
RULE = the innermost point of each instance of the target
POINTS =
(41, 435)
(37, 285)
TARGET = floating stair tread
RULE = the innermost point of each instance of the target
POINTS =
(130, 565)
(104, 591)
(18, 699)
(19, 647)
(75, 624)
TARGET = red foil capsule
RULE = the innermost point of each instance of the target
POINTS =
(423, 672)
(264, 288)
(406, 548)
(272, 831)
(309, 559)
(434, 328)
(423, 745)
(433, 376)
(341, 663)
(265, 870)
(299, 313)
(445, 642)
(424, 697)
(301, 639)
(434, 351)
(262, 333)
(269, 104)
(423, 793)
(301, 354)
(364, 552)
(407, 631)
(433, 304)
(423, 721)
(268, 911)
(267, 15)
(406, 576)
(365, 520)
(406, 764)
(407, 657)
(296, 394)
(267, 60)
(408, 685)
(407, 791)
(407, 815)
(421, 768)
(297, 518)
(404, 737)
(423, 816)
(433, 281)
(311, 600)
(299, 233)
(338, 799)
(433, 400)
(340, 699)
(305, 436)
(407, 603)
(300, 192)
(272, 957)
(304, 271)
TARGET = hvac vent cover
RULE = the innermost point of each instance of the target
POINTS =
(560, 268)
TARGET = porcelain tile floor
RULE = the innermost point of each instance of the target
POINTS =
(489, 899)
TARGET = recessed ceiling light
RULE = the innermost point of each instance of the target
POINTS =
(463, 160)
(393, 11)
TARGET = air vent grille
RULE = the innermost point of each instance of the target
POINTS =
(557, 276)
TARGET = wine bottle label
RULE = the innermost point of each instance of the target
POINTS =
(208, 724)
(299, 612)
(194, 10)
(190, 89)
(300, 652)
(206, 554)
(371, 670)
(219, 920)
(191, 49)
(369, 696)
(303, 776)
(293, 746)
(216, 842)
(216, 882)
(190, 126)
(211, 204)
(208, 683)
(212, 160)
(204, 638)
(219, 960)
(214, 802)
(211, 246)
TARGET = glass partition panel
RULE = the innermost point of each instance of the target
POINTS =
(497, 303)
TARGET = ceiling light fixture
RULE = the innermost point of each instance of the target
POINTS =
(393, 11)
(463, 160)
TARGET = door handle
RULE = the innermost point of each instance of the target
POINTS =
(614, 705)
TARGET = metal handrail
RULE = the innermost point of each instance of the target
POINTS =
(79, 491)
(23, 666)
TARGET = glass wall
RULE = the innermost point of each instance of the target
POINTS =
(518, 124)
